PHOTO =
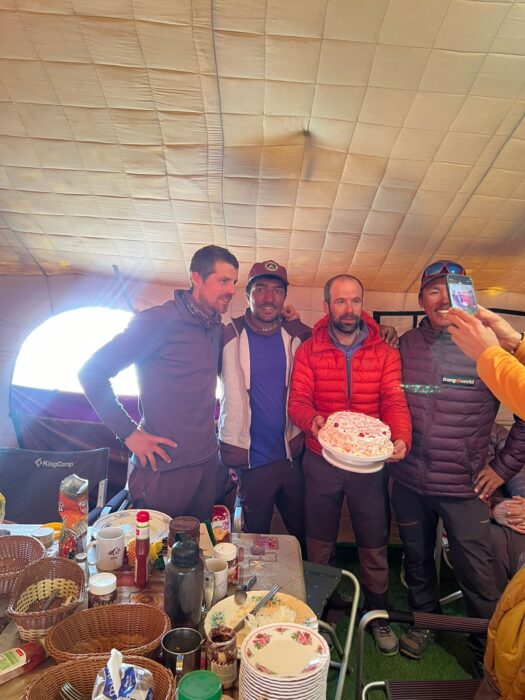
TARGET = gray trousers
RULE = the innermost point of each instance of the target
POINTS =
(184, 491)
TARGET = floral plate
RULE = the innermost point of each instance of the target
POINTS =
(227, 612)
(285, 650)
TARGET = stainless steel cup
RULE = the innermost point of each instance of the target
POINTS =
(181, 650)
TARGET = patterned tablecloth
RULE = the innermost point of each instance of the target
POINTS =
(281, 564)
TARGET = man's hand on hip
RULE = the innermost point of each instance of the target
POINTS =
(487, 481)
(145, 446)
(317, 424)
(400, 451)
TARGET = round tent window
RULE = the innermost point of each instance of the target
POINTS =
(52, 355)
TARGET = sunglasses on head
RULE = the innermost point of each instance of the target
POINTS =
(443, 267)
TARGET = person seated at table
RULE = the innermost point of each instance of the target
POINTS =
(507, 512)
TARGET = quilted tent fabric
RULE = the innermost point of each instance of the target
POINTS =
(330, 135)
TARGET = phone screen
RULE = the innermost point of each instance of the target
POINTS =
(461, 293)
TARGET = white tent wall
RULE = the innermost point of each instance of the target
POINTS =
(27, 301)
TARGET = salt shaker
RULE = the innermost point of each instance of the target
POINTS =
(82, 560)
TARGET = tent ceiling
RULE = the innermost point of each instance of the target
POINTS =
(369, 136)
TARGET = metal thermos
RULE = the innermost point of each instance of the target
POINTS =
(183, 585)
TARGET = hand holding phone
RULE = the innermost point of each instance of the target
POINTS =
(461, 293)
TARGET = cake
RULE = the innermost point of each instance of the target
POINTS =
(356, 434)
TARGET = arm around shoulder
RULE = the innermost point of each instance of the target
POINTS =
(301, 400)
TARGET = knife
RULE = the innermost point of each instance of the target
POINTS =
(256, 609)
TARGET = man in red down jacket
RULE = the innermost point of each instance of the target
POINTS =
(447, 474)
(346, 366)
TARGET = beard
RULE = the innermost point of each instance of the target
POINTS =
(342, 324)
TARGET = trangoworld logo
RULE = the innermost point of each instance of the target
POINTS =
(459, 381)
(271, 266)
(48, 463)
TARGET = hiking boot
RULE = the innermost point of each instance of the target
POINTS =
(416, 642)
(385, 640)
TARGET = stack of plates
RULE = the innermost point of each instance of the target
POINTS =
(284, 661)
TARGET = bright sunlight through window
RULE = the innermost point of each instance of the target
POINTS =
(53, 353)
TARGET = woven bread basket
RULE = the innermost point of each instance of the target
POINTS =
(32, 590)
(16, 552)
(82, 673)
(132, 629)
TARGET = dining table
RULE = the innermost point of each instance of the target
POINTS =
(272, 558)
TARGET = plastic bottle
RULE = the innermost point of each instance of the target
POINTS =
(22, 659)
(183, 585)
(142, 549)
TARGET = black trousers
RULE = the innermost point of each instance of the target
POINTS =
(468, 528)
(276, 484)
(325, 488)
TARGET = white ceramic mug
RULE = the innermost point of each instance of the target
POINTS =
(219, 568)
(109, 543)
(228, 552)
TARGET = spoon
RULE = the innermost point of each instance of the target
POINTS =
(240, 594)
(258, 607)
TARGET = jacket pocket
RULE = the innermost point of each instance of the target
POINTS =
(233, 457)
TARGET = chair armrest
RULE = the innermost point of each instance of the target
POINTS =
(120, 501)
(447, 623)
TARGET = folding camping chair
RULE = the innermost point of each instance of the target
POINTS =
(415, 690)
(320, 582)
(30, 481)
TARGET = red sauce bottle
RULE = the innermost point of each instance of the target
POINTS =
(20, 660)
(142, 549)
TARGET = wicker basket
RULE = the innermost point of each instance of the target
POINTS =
(82, 675)
(16, 552)
(34, 586)
(132, 629)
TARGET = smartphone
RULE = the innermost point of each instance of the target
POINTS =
(461, 293)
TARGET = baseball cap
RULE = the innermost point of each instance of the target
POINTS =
(439, 269)
(268, 268)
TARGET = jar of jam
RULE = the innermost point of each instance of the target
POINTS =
(102, 589)
(221, 654)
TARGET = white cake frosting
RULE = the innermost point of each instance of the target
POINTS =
(357, 434)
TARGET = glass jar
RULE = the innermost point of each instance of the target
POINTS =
(102, 589)
(186, 527)
(221, 654)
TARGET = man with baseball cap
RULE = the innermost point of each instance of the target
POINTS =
(255, 436)
(446, 474)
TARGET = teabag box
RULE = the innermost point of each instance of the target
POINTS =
(73, 509)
